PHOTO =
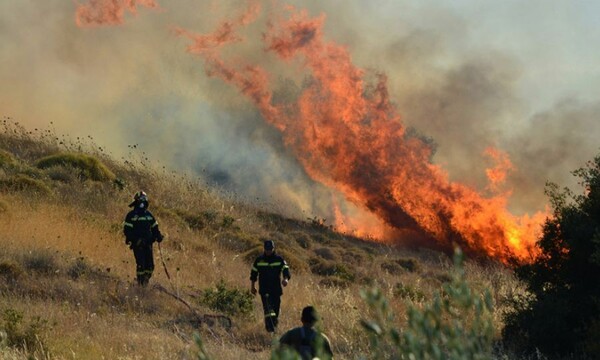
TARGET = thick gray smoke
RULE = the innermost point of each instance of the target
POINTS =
(452, 82)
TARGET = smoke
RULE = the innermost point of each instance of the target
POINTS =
(133, 83)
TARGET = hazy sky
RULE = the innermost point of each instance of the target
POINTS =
(522, 76)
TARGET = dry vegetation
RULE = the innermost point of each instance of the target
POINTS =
(66, 276)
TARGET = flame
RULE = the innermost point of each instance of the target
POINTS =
(108, 12)
(497, 175)
(347, 135)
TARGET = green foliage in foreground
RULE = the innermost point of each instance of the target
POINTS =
(20, 334)
(562, 316)
(455, 324)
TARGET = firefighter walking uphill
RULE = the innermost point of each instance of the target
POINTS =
(267, 269)
(141, 231)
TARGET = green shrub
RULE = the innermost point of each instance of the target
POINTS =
(89, 167)
(210, 216)
(23, 335)
(408, 292)
(329, 268)
(562, 315)
(230, 301)
(455, 326)
(23, 183)
(227, 222)
(6, 159)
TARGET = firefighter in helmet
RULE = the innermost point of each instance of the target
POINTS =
(307, 341)
(141, 230)
(267, 269)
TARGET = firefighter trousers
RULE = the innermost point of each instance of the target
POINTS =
(144, 263)
(271, 305)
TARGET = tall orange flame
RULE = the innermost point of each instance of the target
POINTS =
(108, 12)
(348, 136)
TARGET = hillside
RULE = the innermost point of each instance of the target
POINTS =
(67, 288)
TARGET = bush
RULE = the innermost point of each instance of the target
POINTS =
(89, 167)
(6, 159)
(405, 291)
(227, 222)
(20, 335)
(26, 184)
(562, 315)
(230, 301)
(329, 268)
(457, 325)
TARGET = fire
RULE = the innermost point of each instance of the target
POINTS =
(497, 175)
(347, 135)
(108, 12)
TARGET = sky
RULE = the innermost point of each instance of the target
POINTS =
(522, 77)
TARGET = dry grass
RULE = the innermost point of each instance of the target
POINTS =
(64, 259)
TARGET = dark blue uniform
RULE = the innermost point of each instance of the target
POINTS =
(268, 269)
(141, 230)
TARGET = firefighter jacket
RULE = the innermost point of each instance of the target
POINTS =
(308, 343)
(141, 228)
(267, 269)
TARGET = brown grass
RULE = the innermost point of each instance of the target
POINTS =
(64, 259)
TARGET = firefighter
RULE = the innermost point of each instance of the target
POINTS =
(307, 341)
(268, 269)
(141, 230)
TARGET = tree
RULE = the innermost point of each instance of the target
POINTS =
(562, 316)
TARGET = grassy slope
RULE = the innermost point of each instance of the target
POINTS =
(64, 260)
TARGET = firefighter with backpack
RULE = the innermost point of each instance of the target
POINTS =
(141, 231)
(267, 269)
